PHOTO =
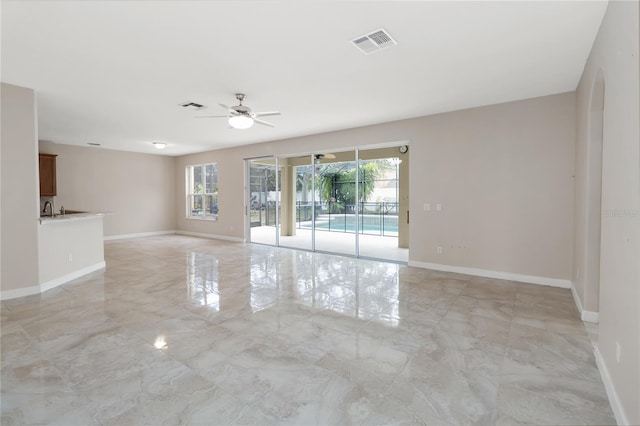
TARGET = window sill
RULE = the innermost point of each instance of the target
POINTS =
(210, 219)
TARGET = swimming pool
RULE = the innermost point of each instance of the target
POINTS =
(369, 224)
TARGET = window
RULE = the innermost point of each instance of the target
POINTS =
(202, 191)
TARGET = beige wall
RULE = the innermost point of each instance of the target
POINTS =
(138, 188)
(68, 246)
(588, 189)
(19, 190)
(615, 55)
(503, 174)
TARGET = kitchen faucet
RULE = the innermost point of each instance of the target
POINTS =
(48, 203)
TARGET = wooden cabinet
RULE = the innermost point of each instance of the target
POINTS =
(47, 174)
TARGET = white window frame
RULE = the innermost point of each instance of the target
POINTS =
(190, 201)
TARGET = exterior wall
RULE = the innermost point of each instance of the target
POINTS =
(20, 186)
(137, 188)
(615, 57)
(502, 173)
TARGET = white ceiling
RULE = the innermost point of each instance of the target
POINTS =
(114, 72)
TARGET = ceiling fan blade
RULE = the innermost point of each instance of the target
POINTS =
(329, 156)
(264, 123)
(265, 114)
(226, 107)
(211, 116)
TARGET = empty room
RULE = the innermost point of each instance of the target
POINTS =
(319, 212)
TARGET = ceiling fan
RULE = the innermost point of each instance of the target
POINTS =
(328, 156)
(241, 117)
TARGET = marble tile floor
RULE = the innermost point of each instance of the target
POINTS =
(181, 330)
(371, 246)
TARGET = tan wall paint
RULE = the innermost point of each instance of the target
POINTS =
(19, 190)
(138, 188)
(503, 174)
(588, 160)
(82, 239)
(615, 53)
(504, 177)
(287, 198)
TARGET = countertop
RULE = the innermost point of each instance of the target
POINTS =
(69, 217)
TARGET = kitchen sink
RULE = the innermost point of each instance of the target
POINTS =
(66, 213)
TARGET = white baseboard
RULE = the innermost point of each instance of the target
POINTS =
(576, 299)
(586, 316)
(614, 400)
(48, 285)
(138, 235)
(530, 279)
(19, 292)
(590, 316)
(72, 276)
(211, 236)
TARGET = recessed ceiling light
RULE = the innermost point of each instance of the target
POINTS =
(160, 145)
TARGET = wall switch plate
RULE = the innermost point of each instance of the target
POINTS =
(427, 207)
(439, 207)
(70, 257)
(618, 352)
(439, 250)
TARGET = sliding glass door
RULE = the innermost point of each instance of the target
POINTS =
(382, 216)
(297, 199)
(264, 194)
(336, 195)
(350, 203)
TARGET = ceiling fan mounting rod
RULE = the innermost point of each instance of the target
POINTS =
(240, 97)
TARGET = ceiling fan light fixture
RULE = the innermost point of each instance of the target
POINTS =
(240, 122)
(159, 145)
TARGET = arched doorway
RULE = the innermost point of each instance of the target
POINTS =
(594, 199)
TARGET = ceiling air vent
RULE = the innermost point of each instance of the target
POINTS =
(192, 105)
(373, 42)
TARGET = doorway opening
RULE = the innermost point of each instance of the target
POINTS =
(594, 196)
(262, 204)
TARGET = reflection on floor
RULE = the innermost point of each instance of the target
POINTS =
(373, 246)
(181, 330)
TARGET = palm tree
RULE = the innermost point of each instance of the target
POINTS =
(338, 184)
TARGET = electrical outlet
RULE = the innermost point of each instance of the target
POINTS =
(439, 207)
(618, 352)
(439, 249)
(70, 257)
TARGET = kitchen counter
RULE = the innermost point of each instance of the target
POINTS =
(69, 246)
(69, 217)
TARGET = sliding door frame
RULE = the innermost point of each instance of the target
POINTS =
(312, 157)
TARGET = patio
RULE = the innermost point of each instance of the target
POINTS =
(372, 246)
